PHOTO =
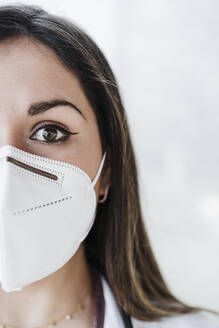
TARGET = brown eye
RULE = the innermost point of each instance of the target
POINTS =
(51, 133)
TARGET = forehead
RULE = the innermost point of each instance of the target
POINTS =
(31, 71)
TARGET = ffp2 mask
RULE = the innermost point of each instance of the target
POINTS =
(47, 208)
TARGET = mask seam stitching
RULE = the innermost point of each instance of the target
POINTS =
(42, 205)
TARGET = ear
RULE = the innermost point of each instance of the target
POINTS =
(105, 177)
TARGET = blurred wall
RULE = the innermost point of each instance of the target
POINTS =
(164, 54)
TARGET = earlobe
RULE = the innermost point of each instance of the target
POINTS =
(102, 198)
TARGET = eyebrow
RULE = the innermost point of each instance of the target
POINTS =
(43, 106)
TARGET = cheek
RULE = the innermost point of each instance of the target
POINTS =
(91, 151)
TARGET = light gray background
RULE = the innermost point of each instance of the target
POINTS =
(165, 56)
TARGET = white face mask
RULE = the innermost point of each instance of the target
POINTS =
(47, 208)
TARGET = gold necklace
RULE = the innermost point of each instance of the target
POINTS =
(52, 323)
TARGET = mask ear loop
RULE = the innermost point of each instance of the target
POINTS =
(92, 184)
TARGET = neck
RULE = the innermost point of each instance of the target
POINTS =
(51, 297)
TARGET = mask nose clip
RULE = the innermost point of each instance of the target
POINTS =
(31, 168)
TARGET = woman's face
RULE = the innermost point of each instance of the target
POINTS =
(30, 73)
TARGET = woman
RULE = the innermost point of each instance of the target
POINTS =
(74, 250)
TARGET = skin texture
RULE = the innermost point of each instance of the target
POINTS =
(30, 72)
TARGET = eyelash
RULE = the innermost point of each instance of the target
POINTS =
(57, 127)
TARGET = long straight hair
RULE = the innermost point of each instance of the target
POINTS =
(118, 244)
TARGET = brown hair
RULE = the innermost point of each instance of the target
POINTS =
(118, 244)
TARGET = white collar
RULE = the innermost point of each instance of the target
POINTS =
(112, 316)
(113, 319)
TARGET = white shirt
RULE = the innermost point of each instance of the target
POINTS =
(113, 319)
